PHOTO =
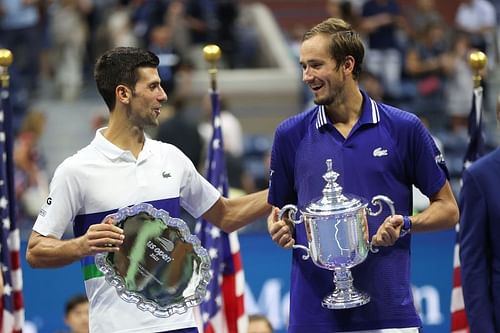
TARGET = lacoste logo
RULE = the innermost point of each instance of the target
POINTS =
(166, 174)
(379, 152)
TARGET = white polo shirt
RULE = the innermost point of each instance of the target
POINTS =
(98, 180)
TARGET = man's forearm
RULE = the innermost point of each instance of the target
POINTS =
(235, 213)
(49, 252)
(441, 214)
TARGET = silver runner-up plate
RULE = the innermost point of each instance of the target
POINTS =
(161, 266)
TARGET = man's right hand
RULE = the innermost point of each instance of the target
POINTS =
(281, 231)
(102, 237)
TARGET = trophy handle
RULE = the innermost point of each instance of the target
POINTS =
(377, 200)
(292, 211)
(305, 248)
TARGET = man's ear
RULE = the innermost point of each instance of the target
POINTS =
(348, 65)
(123, 94)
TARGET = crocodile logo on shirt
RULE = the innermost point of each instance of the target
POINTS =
(379, 152)
(166, 174)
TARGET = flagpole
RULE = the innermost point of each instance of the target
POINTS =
(475, 148)
(12, 313)
(224, 310)
(212, 54)
(6, 59)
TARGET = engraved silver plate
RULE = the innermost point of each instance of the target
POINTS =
(161, 266)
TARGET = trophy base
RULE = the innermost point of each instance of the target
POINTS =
(345, 299)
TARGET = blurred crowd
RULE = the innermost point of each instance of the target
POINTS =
(59, 40)
(55, 44)
(415, 59)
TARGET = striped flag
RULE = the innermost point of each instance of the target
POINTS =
(475, 149)
(222, 310)
(12, 314)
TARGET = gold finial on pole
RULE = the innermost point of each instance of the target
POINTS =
(477, 61)
(6, 59)
(212, 54)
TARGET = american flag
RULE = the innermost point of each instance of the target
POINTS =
(222, 310)
(475, 149)
(12, 314)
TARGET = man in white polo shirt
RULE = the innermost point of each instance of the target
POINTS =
(122, 167)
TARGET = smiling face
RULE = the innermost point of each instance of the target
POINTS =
(146, 99)
(320, 71)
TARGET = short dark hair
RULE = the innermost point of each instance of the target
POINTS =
(73, 302)
(119, 66)
(344, 41)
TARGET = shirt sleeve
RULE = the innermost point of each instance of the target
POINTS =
(281, 177)
(62, 204)
(429, 171)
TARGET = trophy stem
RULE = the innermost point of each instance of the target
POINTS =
(344, 296)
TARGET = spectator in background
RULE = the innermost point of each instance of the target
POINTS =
(76, 314)
(214, 21)
(182, 132)
(459, 87)
(240, 181)
(342, 9)
(294, 42)
(145, 16)
(161, 44)
(427, 65)
(259, 324)
(118, 28)
(69, 34)
(372, 85)
(478, 18)
(420, 16)
(261, 180)
(231, 127)
(380, 21)
(175, 19)
(479, 246)
(31, 180)
(19, 32)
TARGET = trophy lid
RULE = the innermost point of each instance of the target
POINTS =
(333, 200)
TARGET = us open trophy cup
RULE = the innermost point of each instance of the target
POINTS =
(337, 233)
